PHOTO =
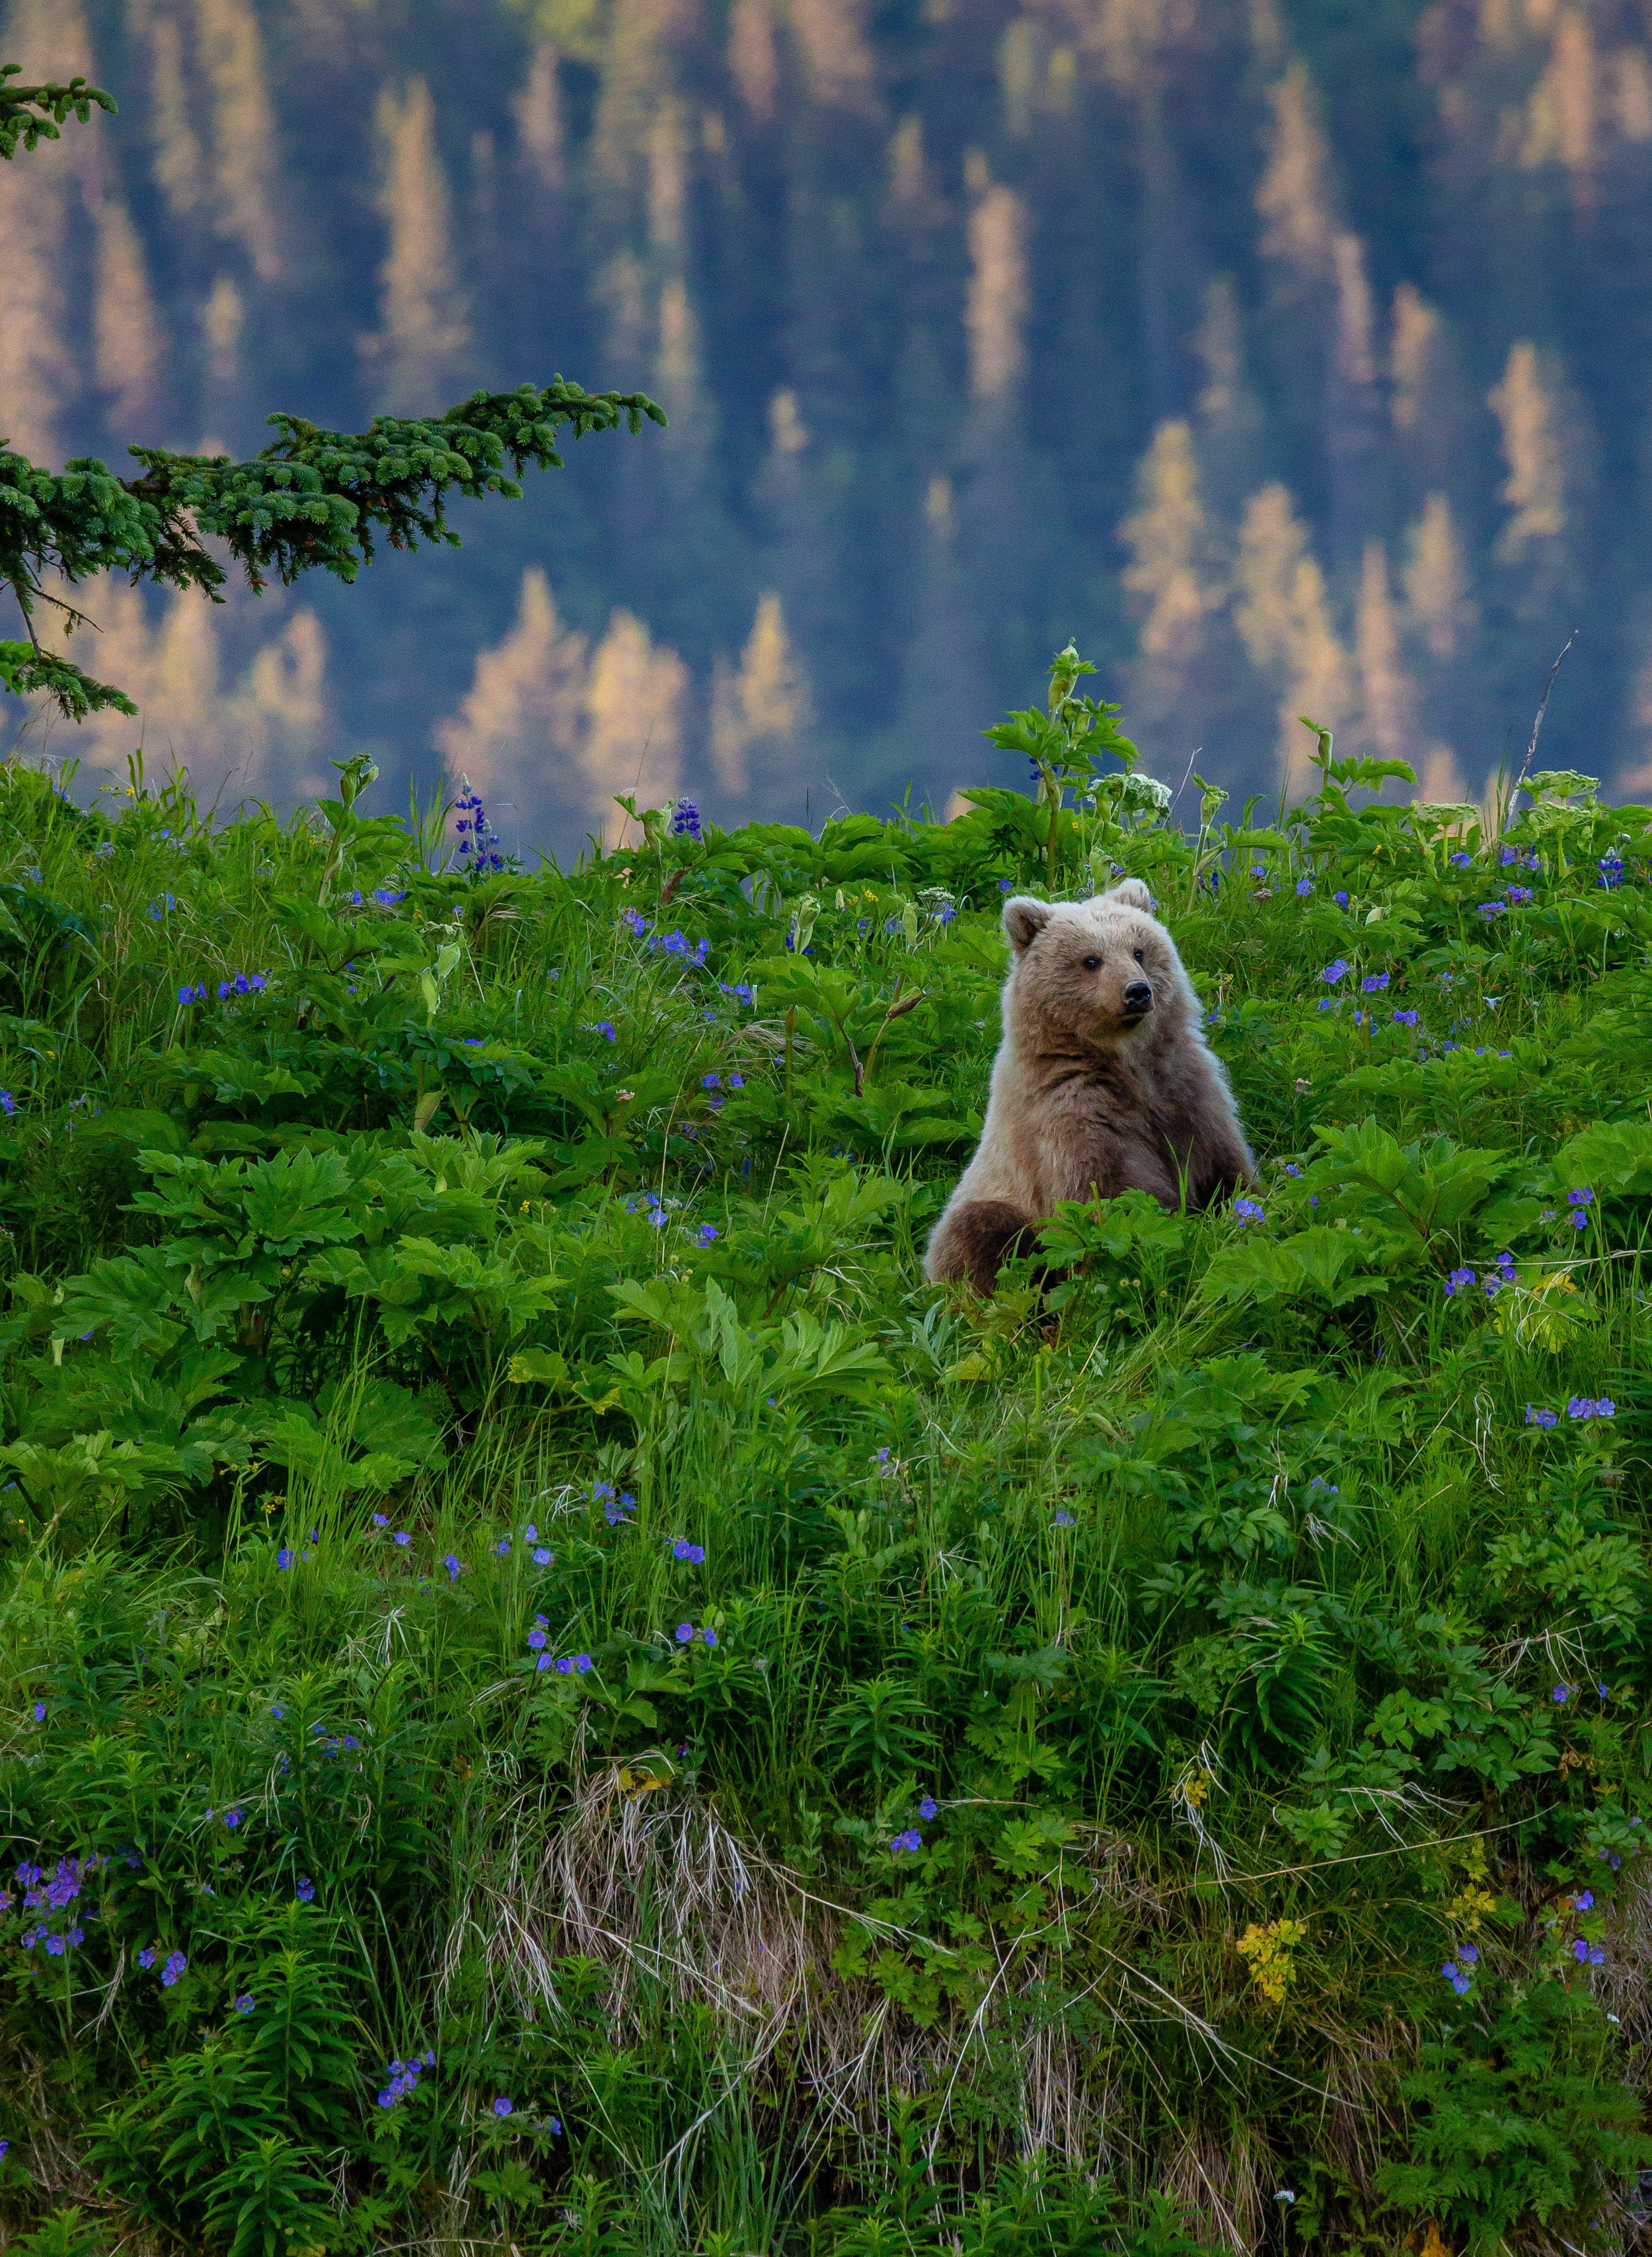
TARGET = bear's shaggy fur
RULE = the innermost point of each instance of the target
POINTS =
(1102, 1083)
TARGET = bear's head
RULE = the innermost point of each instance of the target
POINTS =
(1091, 975)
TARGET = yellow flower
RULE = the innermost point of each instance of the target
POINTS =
(1469, 1908)
(1270, 1951)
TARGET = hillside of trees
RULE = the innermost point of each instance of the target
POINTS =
(1289, 355)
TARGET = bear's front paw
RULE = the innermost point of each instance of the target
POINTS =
(972, 1242)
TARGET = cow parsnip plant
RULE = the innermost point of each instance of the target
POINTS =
(554, 1695)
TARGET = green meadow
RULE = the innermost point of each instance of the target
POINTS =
(556, 1697)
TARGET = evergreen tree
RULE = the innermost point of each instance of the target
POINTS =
(313, 499)
(1352, 252)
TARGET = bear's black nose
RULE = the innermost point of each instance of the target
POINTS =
(1138, 997)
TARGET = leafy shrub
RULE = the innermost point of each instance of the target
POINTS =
(1516, 2121)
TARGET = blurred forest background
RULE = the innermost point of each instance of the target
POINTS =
(1292, 354)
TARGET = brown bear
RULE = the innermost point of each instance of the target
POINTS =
(1102, 1083)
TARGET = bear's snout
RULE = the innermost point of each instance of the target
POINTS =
(1137, 998)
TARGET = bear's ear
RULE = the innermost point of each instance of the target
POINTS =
(1024, 919)
(1132, 894)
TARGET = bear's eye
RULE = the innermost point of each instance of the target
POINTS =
(1138, 955)
(1092, 964)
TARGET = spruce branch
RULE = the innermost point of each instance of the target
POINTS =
(311, 500)
(32, 114)
(24, 668)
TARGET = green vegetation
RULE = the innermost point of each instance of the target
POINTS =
(554, 1696)
(32, 114)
